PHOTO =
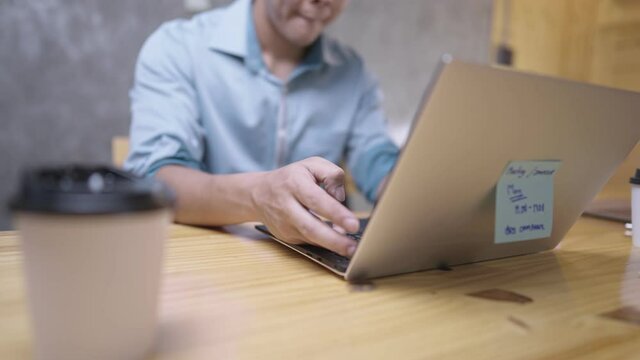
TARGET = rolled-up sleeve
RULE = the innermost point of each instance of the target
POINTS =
(370, 152)
(165, 118)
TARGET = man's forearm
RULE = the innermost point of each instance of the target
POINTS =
(206, 199)
(288, 200)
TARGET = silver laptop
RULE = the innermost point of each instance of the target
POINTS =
(455, 185)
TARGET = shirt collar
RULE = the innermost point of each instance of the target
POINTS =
(229, 32)
(235, 34)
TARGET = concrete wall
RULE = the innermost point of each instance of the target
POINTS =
(66, 67)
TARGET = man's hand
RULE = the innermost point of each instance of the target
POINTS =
(287, 199)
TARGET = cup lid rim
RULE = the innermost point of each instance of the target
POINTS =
(68, 190)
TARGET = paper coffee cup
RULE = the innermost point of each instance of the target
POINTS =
(92, 240)
(635, 208)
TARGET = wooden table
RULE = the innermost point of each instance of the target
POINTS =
(232, 295)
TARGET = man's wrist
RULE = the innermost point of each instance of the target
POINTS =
(254, 186)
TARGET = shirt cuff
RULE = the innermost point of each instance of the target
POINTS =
(180, 159)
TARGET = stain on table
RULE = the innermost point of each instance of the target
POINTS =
(501, 295)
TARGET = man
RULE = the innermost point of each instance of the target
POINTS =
(245, 111)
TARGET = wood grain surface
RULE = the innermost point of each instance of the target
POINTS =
(231, 294)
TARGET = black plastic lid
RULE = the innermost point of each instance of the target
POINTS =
(88, 190)
(636, 179)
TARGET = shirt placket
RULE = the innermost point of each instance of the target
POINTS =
(281, 134)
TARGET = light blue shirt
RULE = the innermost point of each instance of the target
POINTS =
(203, 98)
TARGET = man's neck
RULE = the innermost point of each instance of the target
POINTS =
(279, 55)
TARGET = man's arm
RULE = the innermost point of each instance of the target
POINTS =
(285, 200)
(205, 199)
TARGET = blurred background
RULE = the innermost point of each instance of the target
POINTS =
(66, 65)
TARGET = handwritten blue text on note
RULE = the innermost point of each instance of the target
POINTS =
(524, 201)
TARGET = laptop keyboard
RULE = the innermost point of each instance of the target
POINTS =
(363, 224)
(329, 257)
(323, 255)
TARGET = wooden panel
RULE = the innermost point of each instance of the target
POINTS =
(119, 150)
(549, 36)
(596, 41)
(536, 25)
(617, 45)
(578, 39)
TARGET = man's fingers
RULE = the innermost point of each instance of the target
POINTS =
(339, 229)
(329, 175)
(318, 201)
(337, 192)
(291, 235)
(317, 232)
(298, 200)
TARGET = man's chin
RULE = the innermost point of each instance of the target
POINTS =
(303, 41)
(303, 37)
